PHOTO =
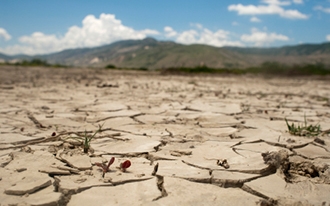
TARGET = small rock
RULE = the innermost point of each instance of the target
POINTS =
(45, 108)
(320, 141)
(20, 169)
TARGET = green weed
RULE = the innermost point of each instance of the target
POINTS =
(86, 138)
(303, 129)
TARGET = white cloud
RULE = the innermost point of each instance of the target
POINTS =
(201, 35)
(187, 37)
(328, 37)
(255, 19)
(4, 34)
(277, 2)
(272, 7)
(321, 8)
(235, 23)
(107, 29)
(261, 38)
(298, 1)
(169, 31)
(93, 32)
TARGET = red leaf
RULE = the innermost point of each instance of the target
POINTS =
(125, 164)
(110, 162)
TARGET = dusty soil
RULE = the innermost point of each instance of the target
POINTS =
(191, 140)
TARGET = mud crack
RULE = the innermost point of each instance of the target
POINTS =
(292, 171)
(161, 188)
(35, 121)
(266, 199)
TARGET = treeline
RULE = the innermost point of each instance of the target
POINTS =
(267, 68)
(111, 66)
(34, 62)
(275, 68)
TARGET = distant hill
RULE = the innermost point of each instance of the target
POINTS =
(8, 58)
(152, 54)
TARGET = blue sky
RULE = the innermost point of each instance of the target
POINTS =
(47, 26)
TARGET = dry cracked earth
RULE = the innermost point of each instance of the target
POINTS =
(191, 140)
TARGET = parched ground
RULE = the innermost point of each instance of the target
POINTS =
(191, 140)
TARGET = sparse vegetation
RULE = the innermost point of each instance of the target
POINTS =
(267, 68)
(34, 62)
(105, 168)
(303, 129)
(275, 68)
(110, 66)
(86, 139)
(203, 69)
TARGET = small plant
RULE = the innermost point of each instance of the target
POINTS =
(86, 139)
(105, 168)
(304, 129)
(123, 166)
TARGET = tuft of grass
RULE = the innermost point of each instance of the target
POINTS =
(304, 129)
(86, 138)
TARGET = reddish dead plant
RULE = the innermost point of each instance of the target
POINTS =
(125, 165)
(105, 168)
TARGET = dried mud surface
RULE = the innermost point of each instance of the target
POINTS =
(191, 140)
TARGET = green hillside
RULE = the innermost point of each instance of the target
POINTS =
(152, 54)
(149, 53)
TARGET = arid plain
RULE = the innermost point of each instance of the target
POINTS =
(191, 139)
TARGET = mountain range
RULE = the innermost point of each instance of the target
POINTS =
(152, 54)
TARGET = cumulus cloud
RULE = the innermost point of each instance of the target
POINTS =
(262, 38)
(4, 34)
(255, 19)
(328, 37)
(269, 7)
(201, 35)
(107, 29)
(169, 31)
(93, 32)
(187, 37)
(298, 1)
(321, 8)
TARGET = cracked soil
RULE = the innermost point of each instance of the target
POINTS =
(191, 140)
